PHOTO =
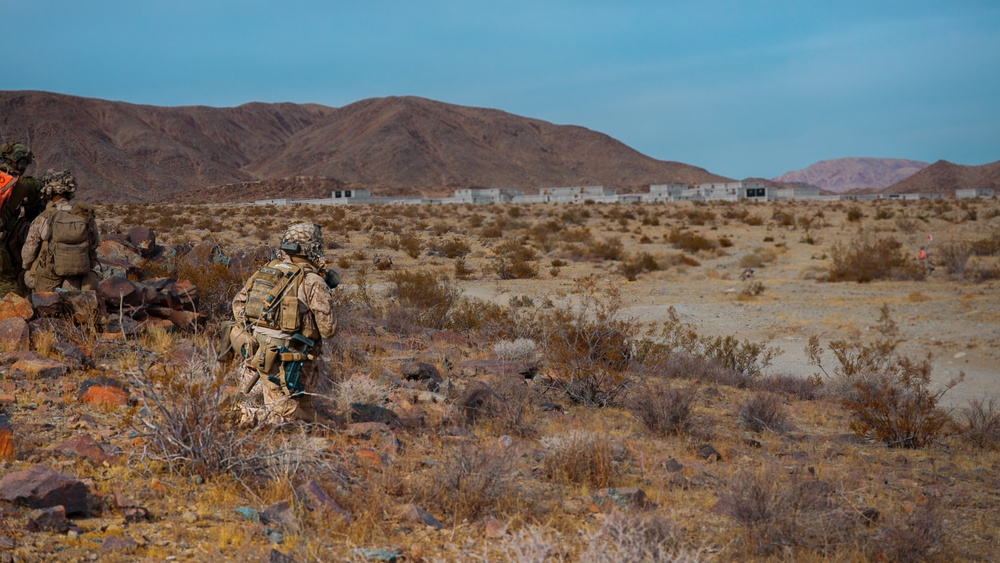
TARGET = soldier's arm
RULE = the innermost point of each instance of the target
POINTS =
(33, 242)
(320, 301)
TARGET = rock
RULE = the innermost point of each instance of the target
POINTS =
(279, 557)
(549, 407)
(47, 304)
(366, 430)
(42, 487)
(72, 355)
(709, 452)
(142, 239)
(82, 306)
(628, 498)
(476, 368)
(131, 510)
(114, 251)
(103, 391)
(449, 337)
(493, 528)
(15, 334)
(115, 291)
(281, 514)
(118, 543)
(424, 372)
(249, 514)
(480, 400)
(51, 519)
(314, 497)
(375, 554)
(673, 466)
(13, 306)
(373, 413)
(413, 513)
(86, 447)
(40, 367)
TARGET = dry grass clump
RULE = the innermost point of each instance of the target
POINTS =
(980, 423)
(868, 257)
(362, 389)
(763, 411)
(664, 411)
(519, 350)
(428, 297)
(580, 458)
(689, 241)
(920, 536)
(470, 482)
(514, 260)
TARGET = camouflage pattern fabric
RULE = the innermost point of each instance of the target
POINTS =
(15, 157)
(58, 183)
(309, 237)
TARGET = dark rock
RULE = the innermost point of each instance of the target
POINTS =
(42, 487)
(709, 452)
(424, 372)
(82, 306)
(313, 496)
(119, 290)
(40, 367)
(131, 510)
(51, 519)
(143, 239)
(548, 407)
(111, 250)
(475, 368)
(281, 514)
(480, 400)
(871, 516)
(279, 557)
(413, 513)
(72, 355)
(14, 333)
(373, 413)
(375, 554)
(673, 466)
(47, 304)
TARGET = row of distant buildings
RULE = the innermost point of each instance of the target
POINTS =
(724, 191)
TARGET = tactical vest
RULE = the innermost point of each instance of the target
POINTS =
(273, 299)
(66, 251)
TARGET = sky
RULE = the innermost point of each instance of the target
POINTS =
(751, 88)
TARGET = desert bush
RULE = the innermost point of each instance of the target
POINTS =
(981, 423)
(642, 538)
(633, 265)
(989, 246)
(462, 270)
(589, 343)
(888, 395)
(361, 388)
(515, 417)
(519, 350)
(689, 241)
(411, 243)
(664, 411)
(763, 411)
(867, 258)
(608, 249)
(804, 388)
(854, 214)
(954, 256)
(777, 514)
(484, 317)
(579, 458)
(217, 283)
(752, 289)
(920, 536)
(188, 426)
(470, 483)
(452, 247)
(513, 260)
(429, 297)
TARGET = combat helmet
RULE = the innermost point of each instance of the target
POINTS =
(58, 183)
(304, 239)
(15, 157)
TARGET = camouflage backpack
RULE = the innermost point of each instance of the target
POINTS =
(69, 240)
(272, 296)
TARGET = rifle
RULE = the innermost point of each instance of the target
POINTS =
(292, 360)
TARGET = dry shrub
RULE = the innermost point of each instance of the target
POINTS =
(483, 317)
(921, 536)
(981, 423)
(954, 257)
(664, 411)
(636, 537)
(427, 296)
(514, 260)
(363, 389)
(188, 427)
(763, 411)
(515, 414)
(867, 258)
(804, 388)
(519, 350)
(470, 483)
(581, 459)
(776, 513)
(633, 265)
(690, 241)
(217, 283)
(889, 396)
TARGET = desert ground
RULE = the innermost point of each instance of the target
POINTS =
(584, 405)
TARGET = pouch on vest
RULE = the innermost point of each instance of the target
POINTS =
(272, 297)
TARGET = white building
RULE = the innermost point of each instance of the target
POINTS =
(974, 192)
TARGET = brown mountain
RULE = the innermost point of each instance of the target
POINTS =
(844, 174)
(125, 152)
(943, 177)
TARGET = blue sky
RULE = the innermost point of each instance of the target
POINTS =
(741, 88)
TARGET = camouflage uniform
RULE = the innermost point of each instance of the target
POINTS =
(37, 263)
(24, 204)
(315, 311)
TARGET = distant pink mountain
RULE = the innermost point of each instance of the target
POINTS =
(844, 174)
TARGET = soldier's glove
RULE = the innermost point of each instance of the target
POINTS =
(331, 278)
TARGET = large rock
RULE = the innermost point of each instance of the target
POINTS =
(15, 306)
(42, 487)
(424, 372)
(143, 239)
(313, 496)
(628, 498)
(103, 391)
(37, 366)
(51, 519)
(14, 333)
(86, 447)
(413, 513)
(83, 306)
